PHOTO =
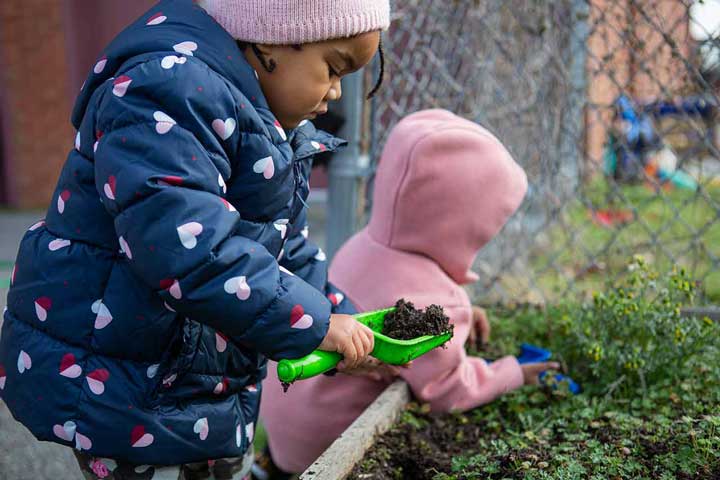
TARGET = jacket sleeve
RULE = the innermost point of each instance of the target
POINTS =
(448, 379)
(166, 138)
(308, 261)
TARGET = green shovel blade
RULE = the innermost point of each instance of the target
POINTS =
(387, 350)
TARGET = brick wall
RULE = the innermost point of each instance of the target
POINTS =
(35, 107)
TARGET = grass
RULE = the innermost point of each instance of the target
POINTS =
(674, 227)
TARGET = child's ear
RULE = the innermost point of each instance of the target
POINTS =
(266, 50)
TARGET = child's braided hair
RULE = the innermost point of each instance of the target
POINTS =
(270, 66)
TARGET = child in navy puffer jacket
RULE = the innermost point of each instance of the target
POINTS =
(174, 257)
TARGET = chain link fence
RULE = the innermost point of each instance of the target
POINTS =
(610, 106)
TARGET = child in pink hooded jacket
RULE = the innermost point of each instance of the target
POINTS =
(444, 188)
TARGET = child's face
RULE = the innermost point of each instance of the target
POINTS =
(305, 80)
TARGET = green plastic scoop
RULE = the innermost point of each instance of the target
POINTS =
(387, 350)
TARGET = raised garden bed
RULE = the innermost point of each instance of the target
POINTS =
(650, 406)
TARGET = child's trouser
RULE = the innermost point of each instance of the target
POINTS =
(94, 468)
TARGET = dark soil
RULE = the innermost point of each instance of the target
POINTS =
(407, 322)
(428, 444)
(422, 445)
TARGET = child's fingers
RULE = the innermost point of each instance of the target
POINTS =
(359, 351)
(350, 355)
(369, 340)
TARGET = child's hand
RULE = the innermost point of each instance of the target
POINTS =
(350, 338)
(480, 327)
(532, 370)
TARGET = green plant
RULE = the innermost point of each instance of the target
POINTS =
(635, 334)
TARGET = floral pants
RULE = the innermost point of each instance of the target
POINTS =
(94, 468)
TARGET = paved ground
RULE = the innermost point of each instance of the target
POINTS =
(22, 457)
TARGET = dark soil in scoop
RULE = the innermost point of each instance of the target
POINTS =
(407, 322)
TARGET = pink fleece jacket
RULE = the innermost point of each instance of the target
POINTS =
(444, 187)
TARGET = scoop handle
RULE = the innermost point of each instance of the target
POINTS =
(315, 363)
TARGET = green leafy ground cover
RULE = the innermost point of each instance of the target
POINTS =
(650, 406)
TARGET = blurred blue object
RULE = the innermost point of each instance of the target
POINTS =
(534, 354)
(553, 381)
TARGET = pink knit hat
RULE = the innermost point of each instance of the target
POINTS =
(287, 22)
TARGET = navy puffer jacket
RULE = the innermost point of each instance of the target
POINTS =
(173, 259)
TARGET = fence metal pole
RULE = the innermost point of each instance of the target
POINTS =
(572, 148)
(347, 169)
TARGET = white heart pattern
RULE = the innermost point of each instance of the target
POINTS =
(173, 288)
(228, 205)
(281, 226)
(224, 128)
(156, 19)
(152, 370)
(221, 183)
(239, 287)
(109, 187)
(186, 48)
(82, 442)
(68, 367)
(336, 298)
(120, 85)
(24, 362)
(320, 255)
(188, 234)
(140, 439)
(285, 270)
(100, 65)
(318, 146)
(65, 431)
(96, 386)
(36, 225)
(42, 306)
(77, 141)
(168, 381)
(266, 166)
(96, 380)
(125, 247)
(165, 122)
(103, 317)
(220, 342)
(62, 199)
(299, 319)
(219, 388)
(202, 428)
(58, 243)
(170, 61)
(305, 232)
(280, 130)
(250, 431)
